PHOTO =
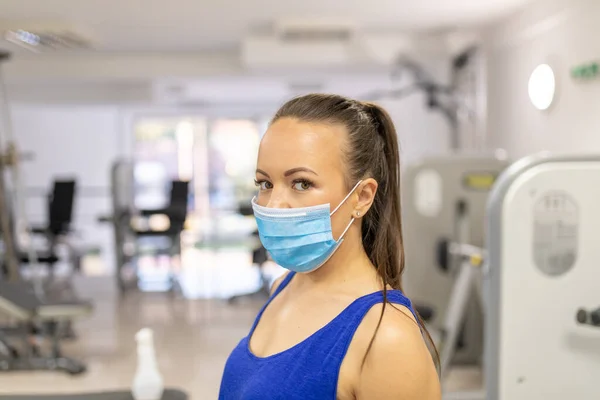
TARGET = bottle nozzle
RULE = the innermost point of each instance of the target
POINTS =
(145, 335)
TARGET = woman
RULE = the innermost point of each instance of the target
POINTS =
(336, 325)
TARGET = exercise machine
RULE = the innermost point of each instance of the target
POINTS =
(456, 100)
(127, 232)
(8, 158)
(542, 282)
(444, 200)
(175, 213)
(36, 314)
(539, 283)
(121, 177)
(466, 290)
(35, 321)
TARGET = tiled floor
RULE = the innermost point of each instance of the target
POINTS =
(193, 339)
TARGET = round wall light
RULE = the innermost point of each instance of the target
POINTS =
(542, 86)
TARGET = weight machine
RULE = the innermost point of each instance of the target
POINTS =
(126, 235)
(542, 282)
(539, 284)
(444, 200)
(37, 315)
(449, 99)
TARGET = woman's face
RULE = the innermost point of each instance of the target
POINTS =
(300, 165)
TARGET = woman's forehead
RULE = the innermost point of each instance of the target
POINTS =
(289, 141)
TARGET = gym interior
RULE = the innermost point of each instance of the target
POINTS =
(128, 152)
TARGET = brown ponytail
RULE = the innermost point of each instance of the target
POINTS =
(372, 152)
(384, 234)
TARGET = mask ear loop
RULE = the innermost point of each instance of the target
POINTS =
(345, 198)
(341, 238)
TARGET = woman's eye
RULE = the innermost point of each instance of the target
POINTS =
(302, 185)
(263, 185)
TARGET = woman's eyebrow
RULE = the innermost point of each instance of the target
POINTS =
(260, 171)
(299, 169)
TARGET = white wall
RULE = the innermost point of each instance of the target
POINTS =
(562, 33)
(421, 132)
(68, 140)
(71, 141)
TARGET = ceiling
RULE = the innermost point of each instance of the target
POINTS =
(173, 51)
(199, 25)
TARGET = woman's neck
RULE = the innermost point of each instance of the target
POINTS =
(349, 266)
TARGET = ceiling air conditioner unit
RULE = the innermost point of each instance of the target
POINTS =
(300, 43)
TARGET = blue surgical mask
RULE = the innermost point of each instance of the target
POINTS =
(299, 239)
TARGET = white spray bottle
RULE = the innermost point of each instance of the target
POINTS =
(148, 383)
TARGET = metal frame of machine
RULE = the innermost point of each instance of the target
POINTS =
(495, 344)
(464, 183)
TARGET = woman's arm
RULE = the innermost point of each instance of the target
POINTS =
(399, 364)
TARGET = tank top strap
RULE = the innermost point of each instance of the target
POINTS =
(334, 339)
(363, 304)
(396, 296)
(351, 317)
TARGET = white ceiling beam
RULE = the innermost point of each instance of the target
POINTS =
(98, 67)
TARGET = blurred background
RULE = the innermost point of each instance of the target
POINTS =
(130, 133)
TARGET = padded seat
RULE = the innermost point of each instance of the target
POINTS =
(42, 257)
(19, 300)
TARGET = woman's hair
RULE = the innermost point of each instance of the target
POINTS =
(371, 152)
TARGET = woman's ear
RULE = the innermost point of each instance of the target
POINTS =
(366, 195)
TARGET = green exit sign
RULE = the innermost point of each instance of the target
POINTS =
(586, 71)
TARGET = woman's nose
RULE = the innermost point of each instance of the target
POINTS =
(276, 203)
(277, 199)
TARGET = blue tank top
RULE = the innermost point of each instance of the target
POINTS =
(307, 371)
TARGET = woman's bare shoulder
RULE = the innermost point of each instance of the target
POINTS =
(399, 364)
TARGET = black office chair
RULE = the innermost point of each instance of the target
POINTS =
(58, 225)
(60, 210)
(176, 211)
